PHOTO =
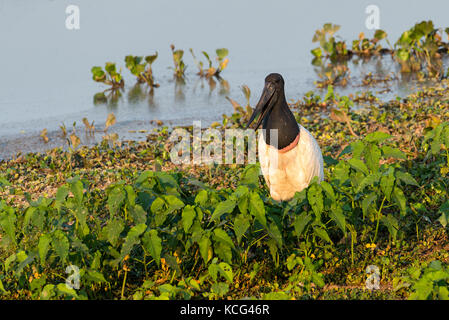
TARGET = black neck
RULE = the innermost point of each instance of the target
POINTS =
(281, 118)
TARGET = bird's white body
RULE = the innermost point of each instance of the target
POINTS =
(291, 171)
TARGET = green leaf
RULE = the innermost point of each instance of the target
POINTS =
(153, 244)
(112, 230)
(77, 189)
(226, 271)
(66, 290)
(8, 223)
(188, 214)
(301, 222)
(400, 199)
(403, 54)
(444, 210)
(60, 244)
(358, 165)
(320, 232)
(372, 157)
(368, 181)
(315, 198)
(115, 199)
(380, 34)
(222, 236)
(336, 214)
(2, 288)
(223, 207)
(257, 208)
(406, 178)
(376, 137)
(390, 152)
(43, 246)
(392, 224)
(173, 203)
(275, 233)
(222, 53)
(328, 190)
(95, 276)
(316, 52)
(387, 183)
(241, 224)
(204, 245)
(201, 198)
(367, 201)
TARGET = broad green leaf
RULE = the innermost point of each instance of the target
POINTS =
(327, 187)
(369, 180)
(301, 222)
(173, 203)
(399, 198)
(392, 224)
(113, 230)
(66, 290)
(376, 137)
(226, 271)
(257, 208)
(77, 189)
(358, 165)
(406, 178)
(60, 244)
(44, 246)
(188, 214)
(8, 223)
(275, 233)
(223, 207)
(390, 152)
(320, 232)
(387, 183)
(205, 246)
(367, 201)
(153, 243)
(115, 199)
(95, 276)
(222, 236)
(241, 224)
(336, 214)
(201, 198)
(315, 198)
(372, 157)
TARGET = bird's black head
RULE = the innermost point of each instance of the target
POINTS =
(272, 92)
(276, 80)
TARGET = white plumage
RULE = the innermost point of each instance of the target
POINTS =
(294, 169)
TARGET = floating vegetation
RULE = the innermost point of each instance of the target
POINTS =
(179, 65)
(141, 68)
(212, 71)
(109, 76)
(419, 51)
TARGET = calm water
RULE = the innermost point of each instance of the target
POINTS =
(45, 69)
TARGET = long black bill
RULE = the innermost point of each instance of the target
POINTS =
(263, 106)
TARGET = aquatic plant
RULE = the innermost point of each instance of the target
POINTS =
(420, 48)
(211, 70)
(179, 65)
(141, 68)
(109, 76)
